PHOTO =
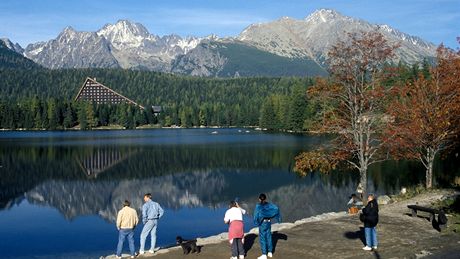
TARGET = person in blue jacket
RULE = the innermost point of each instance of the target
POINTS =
(264, 213)
(151, 213)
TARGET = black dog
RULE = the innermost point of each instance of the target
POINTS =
(187, 245)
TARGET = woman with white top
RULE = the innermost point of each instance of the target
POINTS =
(234, 217)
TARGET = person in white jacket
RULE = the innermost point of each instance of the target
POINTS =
(234, 217)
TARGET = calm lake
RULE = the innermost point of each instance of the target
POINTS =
(60, 191)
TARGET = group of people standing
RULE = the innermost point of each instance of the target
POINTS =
(127, 221)
(264, 213)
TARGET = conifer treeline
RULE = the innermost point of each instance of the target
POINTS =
(42, 98)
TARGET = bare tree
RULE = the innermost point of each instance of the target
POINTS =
(357, 77)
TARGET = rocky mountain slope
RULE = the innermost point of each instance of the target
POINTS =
(313, 36)
(72, 49)
(11, 59)
(284, 47)
(232, 58)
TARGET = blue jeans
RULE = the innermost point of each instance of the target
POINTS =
(121, 239)
(371, 236)
(149, 227)
(265, 237)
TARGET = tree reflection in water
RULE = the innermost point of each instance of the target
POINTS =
(87, 179)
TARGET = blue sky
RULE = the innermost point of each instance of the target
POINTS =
(29, 21)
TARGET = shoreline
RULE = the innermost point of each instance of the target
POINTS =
(143, 127)
(148, 127)
(215, 239)
(396, 211)
(221, 237)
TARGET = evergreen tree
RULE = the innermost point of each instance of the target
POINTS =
(36, 109)
(130, 123)
(44, 116)
(103, 114)
(28, 115)
(167, 121)
(297, 110)
(82, 119)
(68, 117)
(52, 114)
(202, 116)
(140, 117)
(151, 118)
(268, 116)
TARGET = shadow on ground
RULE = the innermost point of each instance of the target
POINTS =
(250, 239)
(356, 235)
(277, 236)
(434, 223)
(249, 242)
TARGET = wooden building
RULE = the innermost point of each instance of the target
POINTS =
(94, 91)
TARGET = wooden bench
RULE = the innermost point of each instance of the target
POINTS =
(442, 219)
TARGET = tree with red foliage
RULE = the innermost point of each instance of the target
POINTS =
(427, 113)
(356, 88)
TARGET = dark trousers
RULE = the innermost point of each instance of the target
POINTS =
(237, 247)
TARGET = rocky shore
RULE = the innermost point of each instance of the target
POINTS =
(339, 235)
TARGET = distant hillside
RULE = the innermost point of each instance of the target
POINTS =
(12, 59)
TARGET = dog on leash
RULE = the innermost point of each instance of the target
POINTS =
(188, 246)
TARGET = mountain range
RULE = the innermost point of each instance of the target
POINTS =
(285, 47)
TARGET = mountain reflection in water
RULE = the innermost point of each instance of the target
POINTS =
(92, 173)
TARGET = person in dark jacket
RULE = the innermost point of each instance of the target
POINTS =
(371, 219)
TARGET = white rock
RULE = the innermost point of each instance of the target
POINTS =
(383, 200)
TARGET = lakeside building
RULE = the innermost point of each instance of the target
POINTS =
(96, 92)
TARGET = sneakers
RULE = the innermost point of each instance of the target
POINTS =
(118, 257)
(141, 252)
(374, 247)
(270, 254)
(233, 257)
(366, 248)
(241, 257)
(262, 257)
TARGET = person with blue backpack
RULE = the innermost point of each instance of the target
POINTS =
(264, 213)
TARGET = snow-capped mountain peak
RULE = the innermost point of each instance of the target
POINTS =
(188, 43)
(129, 45)
(125, 33)
(313, 36)
(68, 31)
(324, 15)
